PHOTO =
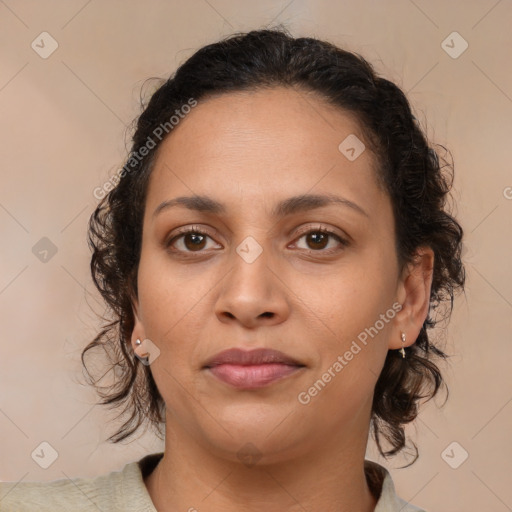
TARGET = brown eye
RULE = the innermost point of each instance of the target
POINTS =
(194, 241)
(317, 240)
(189, 240)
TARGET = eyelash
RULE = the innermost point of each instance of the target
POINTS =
(195, 230)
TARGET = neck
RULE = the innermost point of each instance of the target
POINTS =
(191, 477)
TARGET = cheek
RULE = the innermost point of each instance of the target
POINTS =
(167, 292)
(353, 344)
(351, 297)
(356, 311)
(174, 302)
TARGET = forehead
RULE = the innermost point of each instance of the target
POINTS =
(269, 116)
(279, 141)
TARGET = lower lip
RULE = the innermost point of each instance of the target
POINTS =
(252, 376)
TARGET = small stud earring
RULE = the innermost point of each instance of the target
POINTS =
(138, 342)
(402, 350)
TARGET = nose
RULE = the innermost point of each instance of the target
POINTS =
(252, 293)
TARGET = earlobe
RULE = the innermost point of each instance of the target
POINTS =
(414, 296)
(138, 332)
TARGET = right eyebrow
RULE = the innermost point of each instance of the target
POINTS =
(198, 203)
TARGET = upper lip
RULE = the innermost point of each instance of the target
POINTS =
(251, 357)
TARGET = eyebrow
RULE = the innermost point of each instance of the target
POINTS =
(290, 206)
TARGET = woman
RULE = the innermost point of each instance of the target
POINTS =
(271, 255)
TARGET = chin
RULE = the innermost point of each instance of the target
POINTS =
(252, 436)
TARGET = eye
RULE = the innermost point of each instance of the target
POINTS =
(191, 239)
(317, 240)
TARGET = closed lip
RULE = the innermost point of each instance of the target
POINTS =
(251, 357)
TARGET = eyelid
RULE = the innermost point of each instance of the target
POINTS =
(190, 229)
(322, 228)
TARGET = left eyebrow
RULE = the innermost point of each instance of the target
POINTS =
(289, 206)
(306, 202)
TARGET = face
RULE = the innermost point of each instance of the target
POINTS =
(261, 270)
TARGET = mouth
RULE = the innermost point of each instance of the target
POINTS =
(252, 369)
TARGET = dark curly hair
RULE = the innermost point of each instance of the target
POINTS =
(409, 171)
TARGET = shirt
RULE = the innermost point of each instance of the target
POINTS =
(125, 491)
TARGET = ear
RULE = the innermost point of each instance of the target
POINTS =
(413, 294)
(138, 332)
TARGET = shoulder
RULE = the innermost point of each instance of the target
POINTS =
(83, 494)
(405, 506)
(118, 490)
(381, 483)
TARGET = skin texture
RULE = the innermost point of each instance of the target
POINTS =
(307, 297)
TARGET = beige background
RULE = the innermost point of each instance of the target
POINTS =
(62, 132)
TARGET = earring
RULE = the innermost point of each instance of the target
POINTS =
(138, 342)
(402, 350)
